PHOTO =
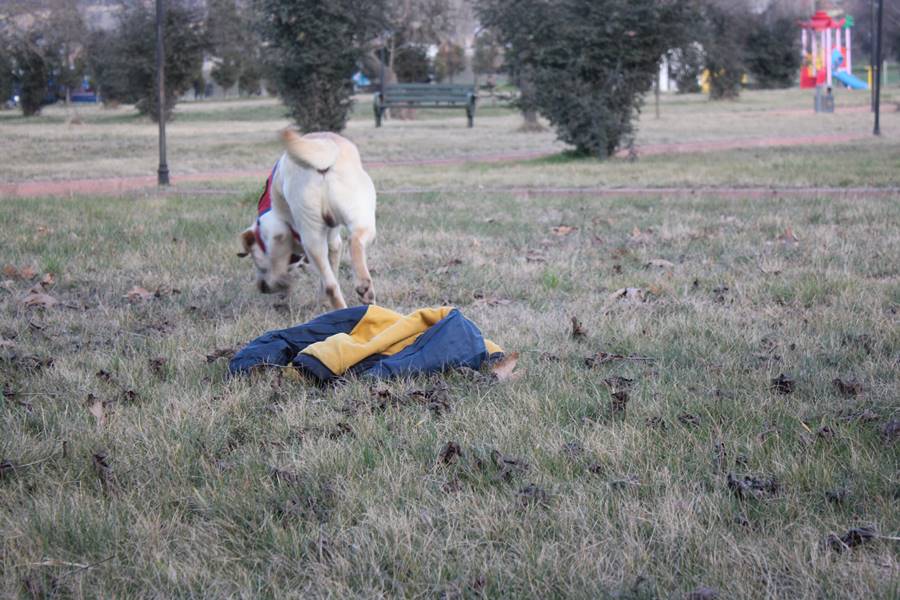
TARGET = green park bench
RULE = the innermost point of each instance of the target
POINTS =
(425, 95)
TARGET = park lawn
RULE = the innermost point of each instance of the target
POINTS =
(182, 482)
(240, 136)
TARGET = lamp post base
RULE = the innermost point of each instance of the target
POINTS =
(162, 175)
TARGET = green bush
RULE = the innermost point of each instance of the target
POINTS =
(590, 61)
(773, 50)
(123, 61)
(312, 49)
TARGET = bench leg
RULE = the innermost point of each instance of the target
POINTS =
(378, 113)
(470, 114)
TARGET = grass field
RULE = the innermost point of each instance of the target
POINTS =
(130, 466)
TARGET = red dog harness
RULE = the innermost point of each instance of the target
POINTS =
(265, 205)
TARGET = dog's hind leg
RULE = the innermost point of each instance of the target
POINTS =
(359, 239)
(318, 250)
(335, 245)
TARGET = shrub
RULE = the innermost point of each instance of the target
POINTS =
(773, 50)
(312, 49)
(123, 61)
(590, 61)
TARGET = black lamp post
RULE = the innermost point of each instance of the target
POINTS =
(878, 64)
(162, 174)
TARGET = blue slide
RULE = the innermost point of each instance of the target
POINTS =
(852, 82)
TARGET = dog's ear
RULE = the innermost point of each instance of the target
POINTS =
(248, 238)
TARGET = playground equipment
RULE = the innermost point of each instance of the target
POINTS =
(824, 57)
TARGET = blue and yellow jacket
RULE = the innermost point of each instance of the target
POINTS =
(371, 341)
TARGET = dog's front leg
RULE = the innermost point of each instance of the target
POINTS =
(317, 250)
(359, 239)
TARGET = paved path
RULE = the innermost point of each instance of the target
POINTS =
(114, 186)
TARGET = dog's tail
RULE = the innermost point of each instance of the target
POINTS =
(320, 153)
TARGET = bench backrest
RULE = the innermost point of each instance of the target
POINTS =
(426, 93)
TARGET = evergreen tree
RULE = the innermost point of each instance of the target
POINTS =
(123, 61)
(32, 58)
(312, 49)
(590, 61)
(724, 30)
(773, 50)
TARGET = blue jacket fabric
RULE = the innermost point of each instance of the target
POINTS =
(445, 340)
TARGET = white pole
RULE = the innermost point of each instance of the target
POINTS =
(827, 33)
(848, 46)
(815, 54)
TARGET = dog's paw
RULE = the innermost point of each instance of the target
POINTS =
(366, 293)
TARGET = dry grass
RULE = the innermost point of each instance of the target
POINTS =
(196, 485)
(239, 135)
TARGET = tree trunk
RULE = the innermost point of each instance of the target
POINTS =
(529, 115)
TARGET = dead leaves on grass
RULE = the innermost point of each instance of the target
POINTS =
(578, 330)
(847, 387)
(751, 487)
(563, 230)
(139, 294)
(602, 358)
(450, 453)
(25, 273)
(227, 353)
(97, 408)
(783, 384)
(504, 369)
(856, 536)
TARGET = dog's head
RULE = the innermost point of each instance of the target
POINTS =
(276, 252)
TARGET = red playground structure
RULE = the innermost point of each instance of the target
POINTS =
(825, 57)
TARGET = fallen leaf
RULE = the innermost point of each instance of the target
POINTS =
(220, 353)
(12, 272)
(96, 408)
(137, 294)
(629, 480)
(638, 236)
(837, 495)
(27, 273)
(563, 230)
(158, 366)
(450, 452)
(532, 494)
(783, 384)
(534, 256)
(749, 486)
(703, 593)
(617, 382)
(601, 358)
(855, 536)
(39, 300)
(48, 279)
(659, 263)
(481, 300)
(655, 423)
(508, 466)
(573, 449)
(825, 432)
(619, 402)
(578, 329)
(689, 419)
(891, 431)
(627, 293)
(504, 369)
(847, 388)
(788, 237)
(100, 461)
